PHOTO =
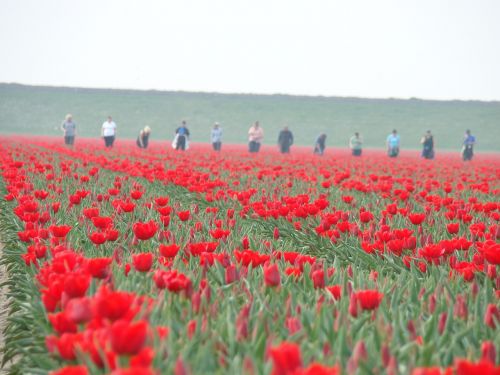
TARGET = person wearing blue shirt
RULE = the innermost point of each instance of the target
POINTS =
(392, 142)
(181, 137)
(468, 146)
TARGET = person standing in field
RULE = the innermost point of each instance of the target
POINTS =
(216, 137)
(181, 140)
(468, 146)
(285, 140)
(320, 144)
(143, 138)
(355, 144)
(255, 137)
(108, 132)
(427, 142)
(392, 142)
(69, 129)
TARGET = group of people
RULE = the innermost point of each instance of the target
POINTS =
(256, 136)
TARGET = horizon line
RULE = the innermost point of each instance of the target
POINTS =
(411, 98)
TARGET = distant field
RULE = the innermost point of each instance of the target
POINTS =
(40, 110)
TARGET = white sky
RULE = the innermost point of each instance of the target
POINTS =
(440, 49)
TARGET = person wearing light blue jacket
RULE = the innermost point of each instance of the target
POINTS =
(392, 142)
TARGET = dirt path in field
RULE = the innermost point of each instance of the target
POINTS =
(3, 310)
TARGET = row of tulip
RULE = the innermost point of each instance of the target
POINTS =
(129, 263)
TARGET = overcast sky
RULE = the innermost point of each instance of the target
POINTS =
(442, 49)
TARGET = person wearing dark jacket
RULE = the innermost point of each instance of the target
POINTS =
(320, 144)
(143, 138)
(181, 137)
(285, 140)
(427, 142)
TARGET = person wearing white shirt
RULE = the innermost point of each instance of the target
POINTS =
(108, 132)
(216, 137)
(255, 137)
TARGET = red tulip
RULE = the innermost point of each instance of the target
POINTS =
(99, 267)
(76, 285)
(184, 215)
(145, 231)
(416, 218)
(79, 310)
(61, 323)
(143, 359)
(286, 358)
(318, 369)
(161, 201)
(67, 345)
(135, 194)
(318, 278)
(112, 234)
(169, 251)
(491, 251)
(453, 228)
(98, 238)
(365, 216)
(142, 262)
(102, 222)
(481, 368)
(128, 338)
(369, 299)
(71, 370)
(174, 281)
(113, 305)
(59, 231)
(335, 291)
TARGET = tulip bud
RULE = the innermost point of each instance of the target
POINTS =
(442, 322)
(491, 271)
(411, 329)
(231, 274)
(386, 355)
(353, 305)
(196, 302)
(432, 303)
(492, 314)
(349, 271)
(272, 275)
(359, 354)
(181, 368)
(392, 369)
(421, 293)
(318, 277)
(474, 289)
(293, 325)
(460, 309)
(242, 322)
(488, 352)
(245, 243)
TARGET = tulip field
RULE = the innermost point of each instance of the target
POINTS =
(127, 261)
